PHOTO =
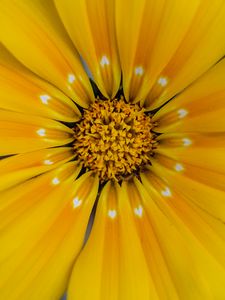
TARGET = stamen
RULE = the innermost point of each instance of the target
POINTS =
(114, 139)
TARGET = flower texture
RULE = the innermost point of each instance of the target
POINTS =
(112, 143)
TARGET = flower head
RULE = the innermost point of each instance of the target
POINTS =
(112, 147)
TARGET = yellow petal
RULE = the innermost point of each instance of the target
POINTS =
(35, 188)
(22, 91)
(203, 186)
(148, 34)
(112, 264)
(205, 150)
(90, 25)
(20, 133)
(200, 174)
(196, 270)
(156, 262)
(200, 108)
(18, 168)
(34, 34)
(201, 47)
(43, 242)
(196, 187)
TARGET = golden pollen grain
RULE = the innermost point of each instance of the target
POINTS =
(114, 139)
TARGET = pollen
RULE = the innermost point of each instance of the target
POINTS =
(114, 139)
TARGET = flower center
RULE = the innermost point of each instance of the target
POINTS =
(114, 139)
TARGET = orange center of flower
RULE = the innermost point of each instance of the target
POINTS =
(114, 139)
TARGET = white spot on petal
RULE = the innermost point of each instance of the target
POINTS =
(76, 202)
(45, 99)
(112, 213)
(186, 142)
(182, 113)
(178, 167)
(138, 211)
(48, 162)
(55, 181)
(139, 71)
(163, 81)
(71, 78)
(41, 132)
(166, 192)
(104, 61)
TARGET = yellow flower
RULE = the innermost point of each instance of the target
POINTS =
(139, 148)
